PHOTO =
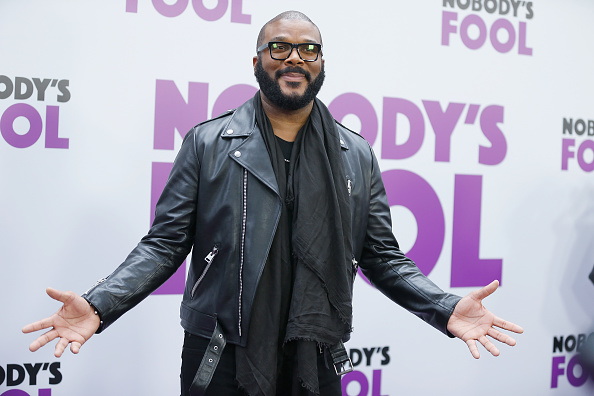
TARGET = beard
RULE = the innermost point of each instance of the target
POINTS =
(272, 90)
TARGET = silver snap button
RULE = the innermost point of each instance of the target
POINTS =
(210, 360)
(229, 131)
(220, 336)
(237, 154)
(216, 348)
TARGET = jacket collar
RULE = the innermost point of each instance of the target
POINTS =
(251, 153)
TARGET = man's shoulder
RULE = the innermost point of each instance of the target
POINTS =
(241, 115)
(221, 117)
(210, 129)
(352, 137)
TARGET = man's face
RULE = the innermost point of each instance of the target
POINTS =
(290, 84)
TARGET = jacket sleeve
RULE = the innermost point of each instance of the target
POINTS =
(160, 253)
(394, 274)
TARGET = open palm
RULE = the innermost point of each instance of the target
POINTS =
(472, 322)
(74, 323)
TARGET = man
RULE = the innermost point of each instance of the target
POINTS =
(281, 205)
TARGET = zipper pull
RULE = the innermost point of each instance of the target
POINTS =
(349, 187)
(210, 256)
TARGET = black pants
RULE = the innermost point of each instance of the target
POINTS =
(223, 381)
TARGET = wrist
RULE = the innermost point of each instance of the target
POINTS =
(97, 316)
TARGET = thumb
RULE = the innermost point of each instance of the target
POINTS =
(58, 295)
(486, 291)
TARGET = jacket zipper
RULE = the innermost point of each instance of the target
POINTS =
(100, 281)
(355, 268)
(243, 226)
(209, 259)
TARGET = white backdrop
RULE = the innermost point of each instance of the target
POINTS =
(86, 87)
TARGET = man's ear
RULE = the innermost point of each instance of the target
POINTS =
(255, 60)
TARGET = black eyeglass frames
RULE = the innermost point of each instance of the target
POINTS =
(280, 50)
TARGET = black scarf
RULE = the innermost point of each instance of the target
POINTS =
(304, 296)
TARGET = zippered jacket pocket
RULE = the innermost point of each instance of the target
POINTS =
(209, 259)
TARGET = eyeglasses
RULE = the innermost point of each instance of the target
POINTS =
(279, 50)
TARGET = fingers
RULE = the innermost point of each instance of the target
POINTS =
(489, 346)
(75, 347)
(39, 325)
(473, 349)
(49, 321)
(60, 346)
(485, 342)
(43, 339)
(499, 336)
(486, 291)
(507, 325)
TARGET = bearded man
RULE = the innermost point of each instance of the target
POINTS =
(281, 206)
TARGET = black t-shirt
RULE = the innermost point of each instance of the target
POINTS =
(286, 148)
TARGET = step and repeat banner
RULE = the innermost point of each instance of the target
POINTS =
(481, 113)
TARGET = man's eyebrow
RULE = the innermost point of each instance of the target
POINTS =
(283, 38)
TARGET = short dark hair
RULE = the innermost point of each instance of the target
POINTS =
(287, 15)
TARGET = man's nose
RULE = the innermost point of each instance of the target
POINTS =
(294, 57)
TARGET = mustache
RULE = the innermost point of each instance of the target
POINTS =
(293, 69)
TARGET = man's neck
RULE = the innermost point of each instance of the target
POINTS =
(286, 123)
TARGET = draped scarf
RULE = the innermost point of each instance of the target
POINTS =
(304, 296)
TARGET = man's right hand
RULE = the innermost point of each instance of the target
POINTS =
(73, 324)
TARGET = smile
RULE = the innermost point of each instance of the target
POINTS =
(293, 76)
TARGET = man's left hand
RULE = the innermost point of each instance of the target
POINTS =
(472, 322)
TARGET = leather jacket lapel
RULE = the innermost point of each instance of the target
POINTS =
(251, 154)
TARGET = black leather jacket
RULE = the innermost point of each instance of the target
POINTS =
(222, 200)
